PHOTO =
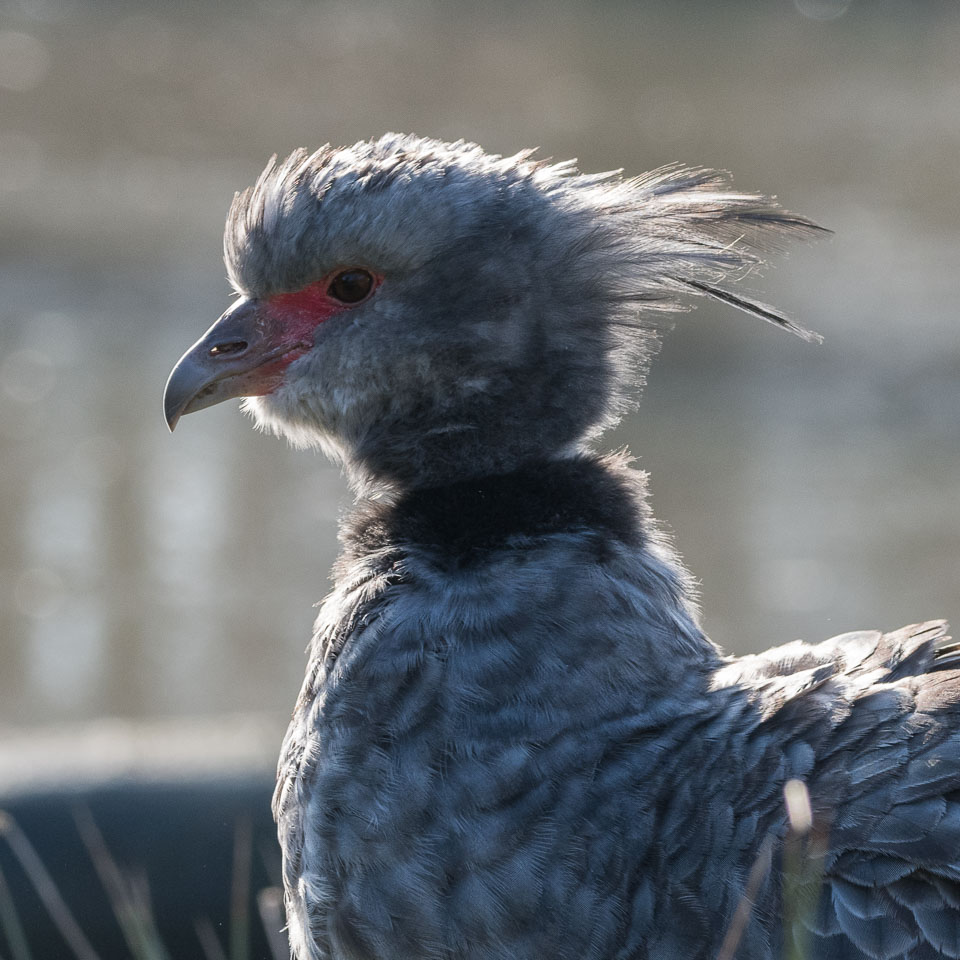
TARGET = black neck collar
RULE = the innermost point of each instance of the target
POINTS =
(599, 495)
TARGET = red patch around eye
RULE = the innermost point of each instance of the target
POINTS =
(301, 312)
(298, 314)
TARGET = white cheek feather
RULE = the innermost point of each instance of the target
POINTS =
(309, 420)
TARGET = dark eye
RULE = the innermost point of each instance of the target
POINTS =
(351, 286)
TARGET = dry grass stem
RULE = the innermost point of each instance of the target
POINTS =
(741, 917)
(12, 927)
(209, 942)
(240, 890)
(46, 889)
(129, 896)
(270, 908)
(804, 849)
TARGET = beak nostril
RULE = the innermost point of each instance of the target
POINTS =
(229, 347)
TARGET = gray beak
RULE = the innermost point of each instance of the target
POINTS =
(239, 356)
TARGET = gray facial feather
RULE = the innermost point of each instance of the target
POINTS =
(510, 286)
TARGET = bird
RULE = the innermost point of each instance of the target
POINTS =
(514, 738)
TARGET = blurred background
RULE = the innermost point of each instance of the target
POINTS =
(156, 591)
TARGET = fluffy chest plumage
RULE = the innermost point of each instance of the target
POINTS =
(465, 776)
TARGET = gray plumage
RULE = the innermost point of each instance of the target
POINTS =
(514, 740)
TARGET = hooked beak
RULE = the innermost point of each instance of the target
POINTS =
(242, 355)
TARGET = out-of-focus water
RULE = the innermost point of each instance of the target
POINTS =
(812, 490)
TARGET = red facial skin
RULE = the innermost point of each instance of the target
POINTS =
(295, 317)
(246, 353)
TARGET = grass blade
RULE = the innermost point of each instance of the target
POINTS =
(130, 899)
(240, 890)
(804, 854)
(270, 908)
(46, 889)
(741, 917)
(12, 927)
(208, 939)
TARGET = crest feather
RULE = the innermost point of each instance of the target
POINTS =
(653, 241)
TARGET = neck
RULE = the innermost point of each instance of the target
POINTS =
(568, 545)
(468, 516)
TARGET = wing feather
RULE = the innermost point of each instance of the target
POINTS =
(881, 713)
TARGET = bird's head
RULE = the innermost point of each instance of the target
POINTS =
(425, 311)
